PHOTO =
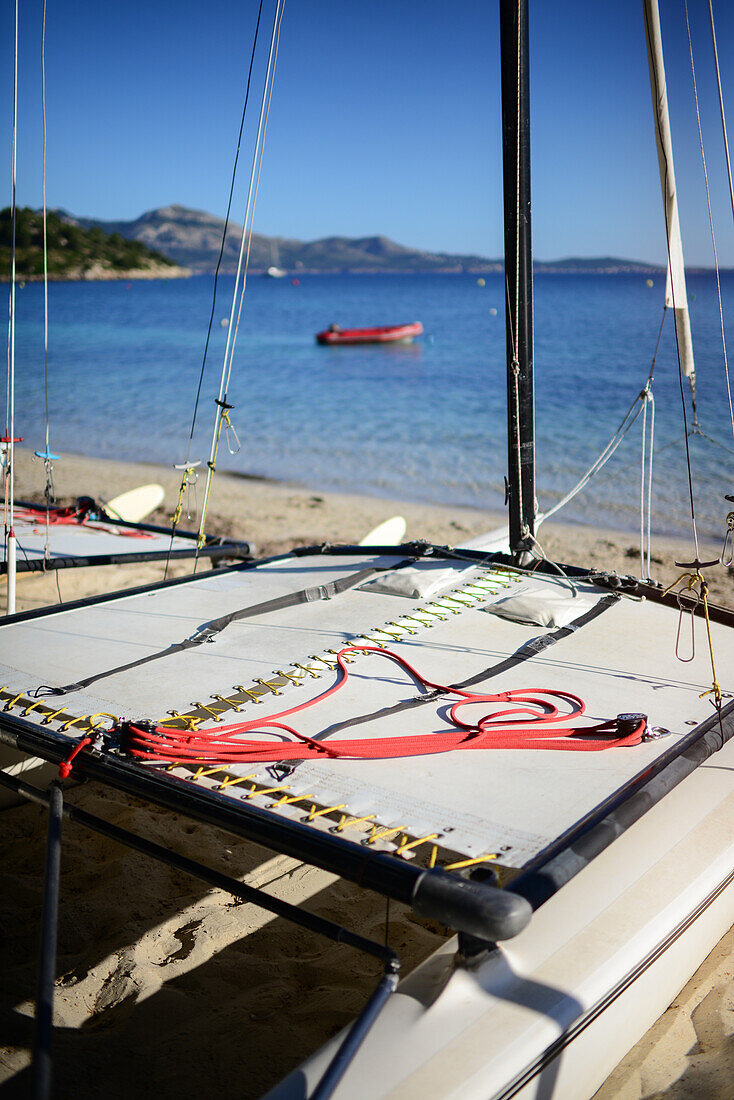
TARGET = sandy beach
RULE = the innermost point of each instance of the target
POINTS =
(167, 987)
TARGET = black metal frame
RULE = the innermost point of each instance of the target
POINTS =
(214, 549)
(54, 802)
(419, 550)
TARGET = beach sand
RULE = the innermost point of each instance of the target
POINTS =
(168, 988)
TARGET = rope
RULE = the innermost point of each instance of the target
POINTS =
(535, 718)
(66, 766)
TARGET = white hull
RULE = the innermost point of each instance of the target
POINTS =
(552, 1012)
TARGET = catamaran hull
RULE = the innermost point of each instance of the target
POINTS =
(552, 1012)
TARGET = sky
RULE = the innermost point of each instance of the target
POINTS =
(385, 119)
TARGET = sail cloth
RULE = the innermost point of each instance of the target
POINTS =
(675, 285)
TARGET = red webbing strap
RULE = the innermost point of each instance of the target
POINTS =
(535, 719)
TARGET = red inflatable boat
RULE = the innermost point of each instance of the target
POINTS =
(387, 334)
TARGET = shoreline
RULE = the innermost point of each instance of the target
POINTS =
(137, 973)
(277, 515)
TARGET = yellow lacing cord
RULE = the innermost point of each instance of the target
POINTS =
(314, 813)
(405, 846)
(89, 722)
(231, 704)
(307, 670)
(470, 862)
(294, 679)
(288, 800)
(346, 822)
(268, 685)
(230, 781)
(215, 714)
(190, 721)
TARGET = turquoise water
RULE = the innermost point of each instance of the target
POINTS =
(424, 421)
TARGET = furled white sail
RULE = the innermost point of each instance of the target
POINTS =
(675, 287)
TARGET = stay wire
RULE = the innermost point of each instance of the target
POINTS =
(220, 401)
(216, 274)
(254, 203)
(10, 388)
(49, 494)
(226, 224)
(708, 203)
(731, 187)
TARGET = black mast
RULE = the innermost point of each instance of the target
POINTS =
(518, 273)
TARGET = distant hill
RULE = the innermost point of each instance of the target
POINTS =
(192, 238)
(598, 265)
(75, 252)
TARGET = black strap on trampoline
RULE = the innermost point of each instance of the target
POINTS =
(529, 649)
(209, 631)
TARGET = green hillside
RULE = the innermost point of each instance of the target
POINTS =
(73, 252)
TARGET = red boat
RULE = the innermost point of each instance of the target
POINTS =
(387, 334)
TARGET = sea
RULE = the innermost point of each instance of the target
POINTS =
(423, 422)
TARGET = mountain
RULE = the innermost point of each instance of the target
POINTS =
(75, 252)
(192, 239)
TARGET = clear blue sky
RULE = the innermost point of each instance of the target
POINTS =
(385, 119)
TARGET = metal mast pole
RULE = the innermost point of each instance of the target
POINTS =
(9, 442)
(518, 273)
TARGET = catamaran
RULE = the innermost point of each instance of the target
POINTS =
(536, 755)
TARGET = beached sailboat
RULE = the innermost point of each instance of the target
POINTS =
(573, 835)
(42, 537)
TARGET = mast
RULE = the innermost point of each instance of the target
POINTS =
(9, 441)
(675, 285)
(518, 274)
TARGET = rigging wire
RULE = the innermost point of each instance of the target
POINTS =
(708, 202)
(187, 467)
(731, 189)
(254, 202)
(627, 422)
(49, 492)
(226, 225)
(222, 411)
(9, 443)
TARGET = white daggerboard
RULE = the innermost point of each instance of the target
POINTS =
(134, 505)
(389, 533)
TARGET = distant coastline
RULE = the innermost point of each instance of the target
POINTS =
(192, 239)
(174, 242)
